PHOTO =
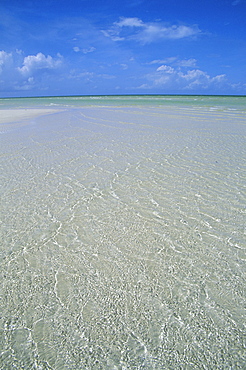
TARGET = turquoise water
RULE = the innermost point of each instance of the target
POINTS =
(123, 234)
(219, 102)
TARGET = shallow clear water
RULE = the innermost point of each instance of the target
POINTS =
(123, 235)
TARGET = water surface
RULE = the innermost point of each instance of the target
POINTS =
(123, 234)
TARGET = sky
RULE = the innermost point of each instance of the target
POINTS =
(102, 47)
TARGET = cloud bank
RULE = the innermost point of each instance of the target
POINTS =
(37, 73)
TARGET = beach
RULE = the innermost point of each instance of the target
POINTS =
(123, 232)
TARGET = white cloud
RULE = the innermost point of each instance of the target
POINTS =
(25, 73)
(196, 77)
(148, 32)
(5, 60)
(85, 51)
(129, 22)
(124, 66)
(33, 63)
(176, 78)
(176, 62)
(86, 76)
(193, 74)
(19, 51)
(219, 78)
(25, 85)
(187, 62)
(113, 35)
(89, 50)
(164, 61)
(165, 68)
(155, 32)
(74, 74)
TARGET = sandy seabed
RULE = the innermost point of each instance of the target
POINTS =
(123, 240)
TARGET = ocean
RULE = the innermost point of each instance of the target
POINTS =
(123, 232)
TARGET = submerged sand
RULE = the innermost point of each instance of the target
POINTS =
(123, 244)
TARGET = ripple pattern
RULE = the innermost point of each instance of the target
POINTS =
(123, 240)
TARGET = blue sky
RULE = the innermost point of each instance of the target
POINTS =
(77, 47)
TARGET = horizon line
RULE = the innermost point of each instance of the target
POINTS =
(115, 95)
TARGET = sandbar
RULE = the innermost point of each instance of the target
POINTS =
(13, 115)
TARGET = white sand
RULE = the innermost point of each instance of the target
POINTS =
(15, 115)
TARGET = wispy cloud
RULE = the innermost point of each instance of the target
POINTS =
(176, 61)
(8, 72)
(85, 50)
(124, 66)
(164, 61)
(5, 60)
(136, 29)
(155, 32)
(88, 50)
(112, 34)
(187, 62)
